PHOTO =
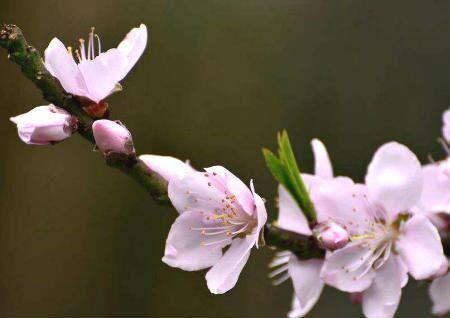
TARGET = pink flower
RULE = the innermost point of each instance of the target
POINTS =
(305, 274)
(112, 137)
(166, 166)
(440, 294)
(446, 127)
(216, 210)
(97, 73)
(387, 241)
(332, 236)
(44, 125)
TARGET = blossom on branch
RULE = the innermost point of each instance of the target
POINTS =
(112, 138)
(88, 72)
(44, 125)
(387, 240)
(217, 210)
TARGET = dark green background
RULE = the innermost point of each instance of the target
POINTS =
(218, 80)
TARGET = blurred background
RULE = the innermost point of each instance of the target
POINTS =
(217, 81)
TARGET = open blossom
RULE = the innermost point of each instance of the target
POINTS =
(387, 241)
(305, 274)
(216, 210)
(44, 125)
(92, 73)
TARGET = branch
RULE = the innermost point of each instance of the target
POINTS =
(32, 66)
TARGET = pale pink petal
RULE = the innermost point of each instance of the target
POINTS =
(440, 295)
(420, 247)
(446, 127)
(323, 167)
(224, 274)
(184, 247)
(166, 166)
(394, 178)
(133, 45)
(61, 65)
(261, 213)
(194, 191)
(308, 286)
(346, 269)
(235, 186)
(382, 298)
(103, 73)
(436, 188)
(290, 215)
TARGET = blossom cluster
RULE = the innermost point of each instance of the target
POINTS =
(374, 235)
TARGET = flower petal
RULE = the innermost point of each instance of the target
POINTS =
(420, 247)
(61, 65)
(347, 269)
(183, 246)
(290, 215)
(394, 178)
(261, 213)
(225, 273)
(166, 166)
(436, 188)
(235, 186)
(308, 286)
(103, 73)
(440, 295)
(446, 127)
(323, 167)
(382, 298)
(133, 45)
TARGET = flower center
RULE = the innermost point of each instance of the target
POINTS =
(87, 52)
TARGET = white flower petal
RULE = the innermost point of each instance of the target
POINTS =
(308, 286)
(394, 178)
(436, 188)
(382, 298)
(61, 65)
(224, 274)
(346, 268)
(103, 73)
(166, 166)
(291, 217)
(323, 167)
(183, 246)
(133, 45)
(440, 295)
(420, 247)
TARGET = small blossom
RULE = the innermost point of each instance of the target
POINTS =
(446, 127)
(44, 125)
(331, 235)
(166, 166)
(387, 241)
(305, 275)
(216, 210)
(97, 73)
(112, 137)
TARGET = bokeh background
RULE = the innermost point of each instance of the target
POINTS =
(218, 80)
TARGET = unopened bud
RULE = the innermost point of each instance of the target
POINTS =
(112, 138)
(331, 235)
(44, 125)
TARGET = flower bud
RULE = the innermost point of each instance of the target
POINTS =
(112, 138)
(44, 125)
(356, 298)
(331, 235)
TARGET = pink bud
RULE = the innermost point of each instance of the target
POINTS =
(44, 125)
(331, 235)
(112, 137)
(446, 127)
